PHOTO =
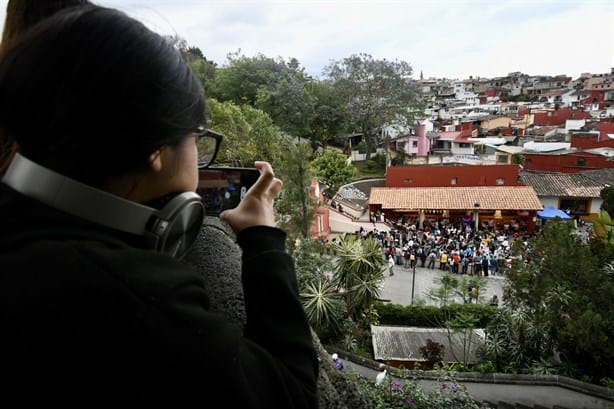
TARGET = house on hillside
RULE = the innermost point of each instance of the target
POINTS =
(577, 193)
(601, 137)
(417, 144)
(456, 142)
(506, 154)
(400, 346)
(560, 157)
(557, 117)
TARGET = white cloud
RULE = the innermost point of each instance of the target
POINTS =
(442, 38)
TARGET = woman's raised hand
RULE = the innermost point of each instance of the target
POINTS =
(256, 208)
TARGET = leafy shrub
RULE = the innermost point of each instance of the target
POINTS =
(486, 367)
(607, 382)
(431, 316)
(362, 147)
(380, 159)
(432, 351)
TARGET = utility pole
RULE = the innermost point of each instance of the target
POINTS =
(413, 281)
(476, 215)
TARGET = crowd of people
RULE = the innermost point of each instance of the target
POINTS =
(446, 246)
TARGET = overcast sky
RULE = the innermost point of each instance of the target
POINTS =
(440, 38)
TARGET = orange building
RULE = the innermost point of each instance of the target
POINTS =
(481, 195)
(453, 176)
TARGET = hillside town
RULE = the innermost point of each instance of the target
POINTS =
(491, 162)
(501, 149)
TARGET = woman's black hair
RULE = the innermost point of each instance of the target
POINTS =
(91, 93)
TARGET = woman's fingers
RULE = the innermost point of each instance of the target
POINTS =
(256, 208)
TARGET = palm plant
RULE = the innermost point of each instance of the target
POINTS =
(359, 274)
(323, 306)
(352, 291)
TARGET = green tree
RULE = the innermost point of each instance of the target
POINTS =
(607, 194)
(604, 227)
(451, 288)
(295, 206)
(460, 326)
(273, 85)
(518, 159)
(204, 69)
(602, 238)
(460, 331)
(249, 134)
(333, 169)
(288, 103)
(446, 291)
(330, 118)
(240, 79)
(376, 93)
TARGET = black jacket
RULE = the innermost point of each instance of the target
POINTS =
(87, 316)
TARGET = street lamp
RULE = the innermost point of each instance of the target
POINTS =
(476, 205)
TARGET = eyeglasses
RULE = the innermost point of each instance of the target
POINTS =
(208, 145)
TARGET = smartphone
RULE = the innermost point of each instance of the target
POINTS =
(222, 188)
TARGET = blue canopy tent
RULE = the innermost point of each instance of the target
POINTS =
(552, 212)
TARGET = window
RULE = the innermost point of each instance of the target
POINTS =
(414, 144)
(581, 161)
(503, 159)
(575, 206)
(407, 181)
(500, 181)
(453, 181)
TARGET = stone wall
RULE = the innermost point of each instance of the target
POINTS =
(218, 257)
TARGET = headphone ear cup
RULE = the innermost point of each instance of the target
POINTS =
(176, 226)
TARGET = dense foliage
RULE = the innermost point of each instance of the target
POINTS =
(332, 168)
(249, 134)
(558, 309)
(607, 194)
(431, 316)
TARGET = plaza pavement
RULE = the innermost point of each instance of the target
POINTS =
(398, 288)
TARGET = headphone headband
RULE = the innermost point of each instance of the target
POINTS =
(170, 230)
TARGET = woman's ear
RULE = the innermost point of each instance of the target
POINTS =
(155, 160)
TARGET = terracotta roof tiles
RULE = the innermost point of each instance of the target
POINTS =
(491, 198)
(581, 184)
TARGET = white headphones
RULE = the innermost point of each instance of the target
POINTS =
(170, 230)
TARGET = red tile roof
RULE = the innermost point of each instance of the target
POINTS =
(451, 198)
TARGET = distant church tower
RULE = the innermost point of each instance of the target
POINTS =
(421, 76)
